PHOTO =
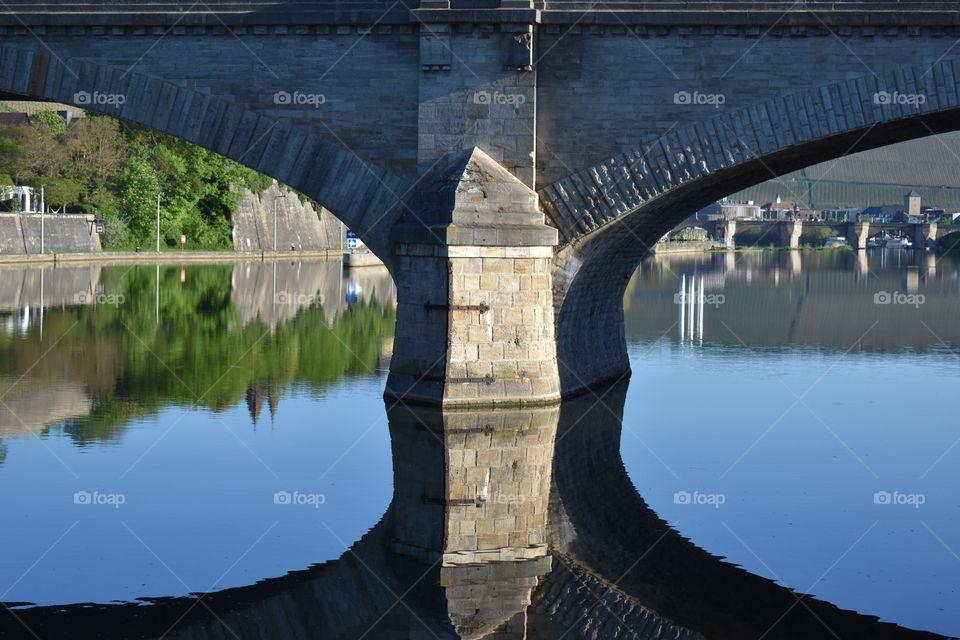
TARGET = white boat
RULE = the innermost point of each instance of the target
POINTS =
(899, 242)
(837, 241)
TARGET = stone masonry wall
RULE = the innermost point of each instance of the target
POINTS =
(503, 354)
(298, 224)
(607, 89)
(511, 345)
(468, 99)
(358, 90)
(62, 233)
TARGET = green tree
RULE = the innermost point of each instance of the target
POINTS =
(138, 192)
(52, 119)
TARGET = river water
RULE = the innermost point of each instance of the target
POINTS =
(173, 430)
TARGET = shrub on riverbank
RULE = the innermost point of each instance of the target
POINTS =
(816, 237)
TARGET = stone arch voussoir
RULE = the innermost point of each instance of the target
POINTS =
(698, 163)
(610, 215)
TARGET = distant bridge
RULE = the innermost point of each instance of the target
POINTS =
(787, 233)
(510, 160)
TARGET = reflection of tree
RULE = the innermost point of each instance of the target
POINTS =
(198, 354)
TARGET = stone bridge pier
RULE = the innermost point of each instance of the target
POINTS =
(924, 235)
(857, 234)
(790, 231)
(472, 260)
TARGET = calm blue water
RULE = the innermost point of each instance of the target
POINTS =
(763, 433)
(801, 401)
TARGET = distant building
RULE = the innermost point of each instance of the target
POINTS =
(778, 210)
(842, 215)
(735, 211)
(709, 212)
(883, 212)
(911, 203)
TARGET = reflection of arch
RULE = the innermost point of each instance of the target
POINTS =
(358, 193)
(455, 585)
(601, 524)
(609, 215)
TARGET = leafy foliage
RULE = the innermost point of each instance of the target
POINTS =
(816, 237)
(115, 170)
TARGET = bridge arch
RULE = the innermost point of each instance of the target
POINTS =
(363, 196)
(611, 214)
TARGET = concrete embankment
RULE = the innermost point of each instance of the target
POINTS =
(685, 247)
(356, 259)
(24, 234)
(298, 225)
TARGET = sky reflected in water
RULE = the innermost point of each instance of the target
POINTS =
(237, 418)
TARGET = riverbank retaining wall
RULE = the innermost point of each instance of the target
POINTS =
(299, 226)
(20, 234)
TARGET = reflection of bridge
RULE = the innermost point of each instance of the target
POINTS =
(510, 160)
(786, 233)
(820, 299)
(508, 525)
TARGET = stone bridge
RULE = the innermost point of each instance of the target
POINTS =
(787, 233)
(510, 160)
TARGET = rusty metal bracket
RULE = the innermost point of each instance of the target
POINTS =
(483, 307)
(487, 379)
(478, 502)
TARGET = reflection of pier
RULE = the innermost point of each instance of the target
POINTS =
(513, 524)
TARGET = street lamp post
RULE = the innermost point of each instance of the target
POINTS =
(43, 211)
(283, 195)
